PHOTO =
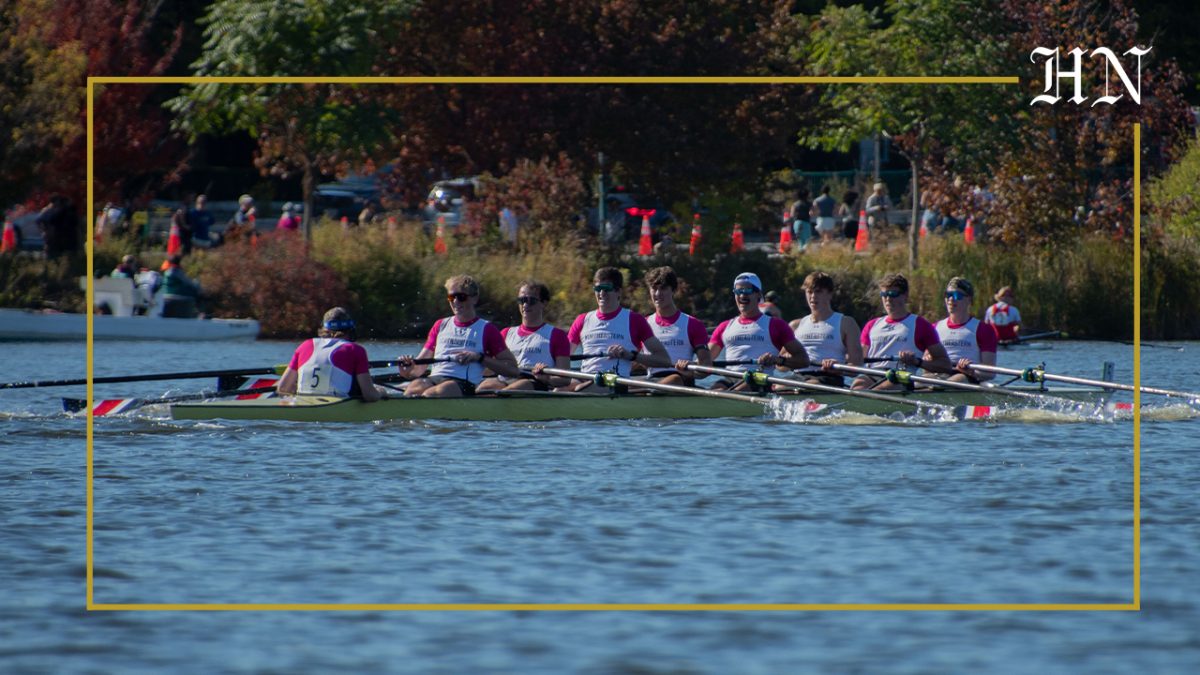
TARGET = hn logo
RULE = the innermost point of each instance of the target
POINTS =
(1055, 74)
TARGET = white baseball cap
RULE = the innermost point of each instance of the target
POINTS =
(748, 278)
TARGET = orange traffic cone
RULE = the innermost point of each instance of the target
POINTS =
(785, 239)
(174, 243)
(439, 241)
(9, 242)
(860, 241)
(738, 244)
(969, 231)
(694, 245)
(645, 246)
(345, 223)
(924, 231)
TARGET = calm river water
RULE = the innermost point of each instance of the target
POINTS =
(721, 511)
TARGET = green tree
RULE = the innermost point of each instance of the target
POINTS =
(958, 125)
(308, 129)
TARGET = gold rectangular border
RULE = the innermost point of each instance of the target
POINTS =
(1135, 605)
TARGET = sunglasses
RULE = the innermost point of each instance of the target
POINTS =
(603, 288)
(744, 291)
(461, 297)
(527, 300)
(890, 294)
(956, 295)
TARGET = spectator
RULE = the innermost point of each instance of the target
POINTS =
(179, 292)
(799, 214)
(368, 214)
(126, 269)
(824, 209)
(849, 214)
(878, 205)
(200, 220)
(242, 224)
(179, 220)
(59, 225)
(288, 220)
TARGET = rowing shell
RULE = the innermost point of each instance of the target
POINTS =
(544, 406)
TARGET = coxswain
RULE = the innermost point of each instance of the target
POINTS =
(759, 341)
(899, 337)
(967, 340)
(469, 341)
(618, 335)
(1004, 317)
(682, 335)
(331, 364)
(770, 305)
(828, 337)
(533, 342)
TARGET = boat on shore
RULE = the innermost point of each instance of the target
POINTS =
(546, 406)
(25, 324)
(131, 312)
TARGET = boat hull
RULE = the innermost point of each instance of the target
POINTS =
(545, 407)
(21, 324)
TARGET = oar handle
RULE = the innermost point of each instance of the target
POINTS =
(580, 357)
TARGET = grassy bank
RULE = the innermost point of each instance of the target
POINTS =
(392, 281)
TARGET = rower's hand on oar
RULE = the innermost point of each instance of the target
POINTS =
(828, 364)
(909, 358)
(770, 360)
(964, 366)
(463, 358)
(620, 353)
(404, 364)
(682, 365)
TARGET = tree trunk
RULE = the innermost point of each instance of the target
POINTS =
(914, 226)
(308, 184)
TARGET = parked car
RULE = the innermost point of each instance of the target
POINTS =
(625, 211)
(345, 198)
(29, 236)
(447, 199)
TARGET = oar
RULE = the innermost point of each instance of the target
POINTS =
(191, 374)
(1039, 374)
(904, 377)
(612, 379)
(123, 405)
(761, 378)
(1035, 336)
(416, 362)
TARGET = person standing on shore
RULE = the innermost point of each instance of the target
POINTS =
(824, 210)
(967, 340)
(331, 364)
(1004, 317)
(828, 337)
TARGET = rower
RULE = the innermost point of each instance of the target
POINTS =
(469, 341)
(899, 336)
(828, 337)
(760, 341)
(614, 331)
(533, 342)
(331, 364)
(967, 340)
(683, 335)
(1003, 316)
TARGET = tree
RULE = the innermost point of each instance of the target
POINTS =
(310, 129)
(49, 50)
(957, 124)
